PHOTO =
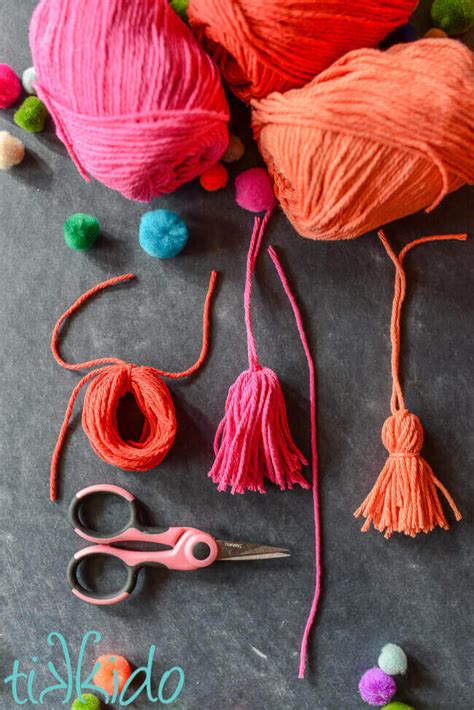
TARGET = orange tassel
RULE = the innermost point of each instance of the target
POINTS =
(405, 497)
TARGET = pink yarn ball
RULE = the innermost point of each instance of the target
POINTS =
(254, 190)
(376, 687)
(10, 86)
(135, 99)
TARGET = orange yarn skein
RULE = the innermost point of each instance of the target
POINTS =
(404, 497)
(377, 136)
(262, 46)
(108, 383)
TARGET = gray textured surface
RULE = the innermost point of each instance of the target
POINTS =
(236, 629)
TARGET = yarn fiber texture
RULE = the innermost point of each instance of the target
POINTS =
(276, 45)
(377, 136)
(135, 99)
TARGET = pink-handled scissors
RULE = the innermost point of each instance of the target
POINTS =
(187, 548)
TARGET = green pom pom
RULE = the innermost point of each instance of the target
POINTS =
(180, 7)
(397, 706)
(81, 231)
(31, 115)
(90, 703)
(453, 16)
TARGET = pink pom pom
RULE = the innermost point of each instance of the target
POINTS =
(376, 687)
(10, 86)
(254, 190)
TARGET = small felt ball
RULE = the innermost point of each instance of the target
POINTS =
(453, 16)
(180, 7)
(435, 33)
(112, 674)
(10, 86)
(376, 687)
(393, 660)
(81, 231)
(254, 190)
(89, 702)
(162, 234)
(12, 151)
(214, 178)
(234, 150)
(27, 79)
(397, 706)
(31, 115)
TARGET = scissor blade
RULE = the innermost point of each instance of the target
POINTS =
(236, 551)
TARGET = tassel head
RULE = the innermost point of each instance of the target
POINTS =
(405, 496)
(402, 433)
(253, 441)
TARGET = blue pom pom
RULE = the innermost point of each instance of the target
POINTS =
(403, 34)
(162, 234)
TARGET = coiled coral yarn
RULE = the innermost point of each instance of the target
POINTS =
(135, 99)
(262, 46)
(107, 383)
(377, 136)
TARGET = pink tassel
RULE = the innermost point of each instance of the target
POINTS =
(253, 440)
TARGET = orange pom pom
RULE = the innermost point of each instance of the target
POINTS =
(435, 32)
(113, 673)
(214, 178)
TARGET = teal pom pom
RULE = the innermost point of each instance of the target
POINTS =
(393, 660)
(162, 234)
(81, 231)
(90, 703)
(32, 115)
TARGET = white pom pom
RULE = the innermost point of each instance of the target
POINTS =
(27, 79)
(393, 660)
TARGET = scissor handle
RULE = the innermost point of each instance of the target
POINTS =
(194, 549)
(99, 598)
(133, 528)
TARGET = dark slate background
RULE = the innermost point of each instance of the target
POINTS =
(235, 629)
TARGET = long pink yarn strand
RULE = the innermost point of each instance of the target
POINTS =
(314, 458)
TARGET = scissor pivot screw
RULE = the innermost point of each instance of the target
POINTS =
(201, 551)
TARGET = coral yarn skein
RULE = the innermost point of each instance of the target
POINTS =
(275, 45)
(377, 136)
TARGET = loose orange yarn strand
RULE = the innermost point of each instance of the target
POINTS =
(397, 402)
(404, 497)
(151, 392)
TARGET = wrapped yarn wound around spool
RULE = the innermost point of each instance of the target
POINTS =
(262, 46)
(111, 380)
(377, 136)
(135, 99)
